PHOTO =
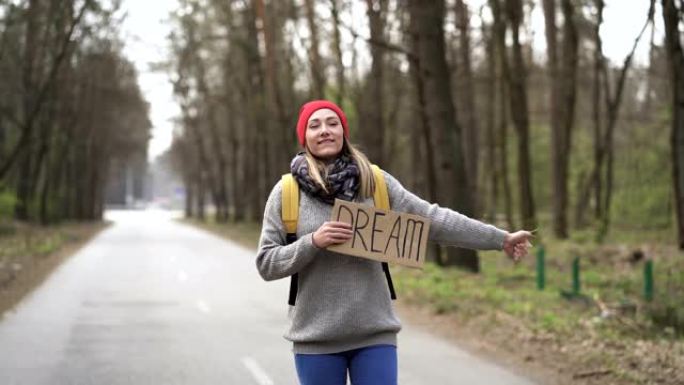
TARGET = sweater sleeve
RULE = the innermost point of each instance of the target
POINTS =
(275, 258)
(447, 227)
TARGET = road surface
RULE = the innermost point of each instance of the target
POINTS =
(153, 301)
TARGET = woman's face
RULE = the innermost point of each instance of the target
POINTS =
(324, 134)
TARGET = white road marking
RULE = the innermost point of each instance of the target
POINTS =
(182, 276)
(257, 372)
(203, 306)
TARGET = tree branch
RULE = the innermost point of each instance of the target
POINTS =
(381, 43)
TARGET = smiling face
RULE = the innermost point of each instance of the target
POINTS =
(324, 134)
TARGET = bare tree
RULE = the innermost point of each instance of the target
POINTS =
(371, 102)
(563, 83)
(602, 173)
(672, 16)
(501, 69)
(317, 67)
(471, 142)
(452, 184)
(519, 111)
(337, 49)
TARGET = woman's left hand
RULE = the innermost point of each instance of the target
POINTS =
(516, 244)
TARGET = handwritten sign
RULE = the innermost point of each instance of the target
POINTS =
(380, 235)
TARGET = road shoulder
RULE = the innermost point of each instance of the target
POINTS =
(25, 268)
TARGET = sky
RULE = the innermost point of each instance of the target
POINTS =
(145, 30)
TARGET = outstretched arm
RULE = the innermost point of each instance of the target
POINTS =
(451, 228)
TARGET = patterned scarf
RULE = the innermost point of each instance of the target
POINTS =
(342, 180)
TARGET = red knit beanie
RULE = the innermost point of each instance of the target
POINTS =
(311, 107)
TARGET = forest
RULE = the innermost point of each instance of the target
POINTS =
(70, 106)
(452, 97)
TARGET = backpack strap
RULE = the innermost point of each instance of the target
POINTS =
(290, 209)
(381, 199)
(290, 215)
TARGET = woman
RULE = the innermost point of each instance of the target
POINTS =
(343, 320)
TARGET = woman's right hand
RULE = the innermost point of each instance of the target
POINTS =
(332, 233)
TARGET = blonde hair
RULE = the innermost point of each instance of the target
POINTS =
(319, 170)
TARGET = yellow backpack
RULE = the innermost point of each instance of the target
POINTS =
(290, 216)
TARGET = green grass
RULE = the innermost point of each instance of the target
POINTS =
(510, 288)
(21, 240)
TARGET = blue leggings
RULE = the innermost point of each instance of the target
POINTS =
(372, 365)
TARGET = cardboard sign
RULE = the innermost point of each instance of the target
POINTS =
(380, 235)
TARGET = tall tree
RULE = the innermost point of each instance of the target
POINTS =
(337, 49)
(500, 70)
(317, 66)
(520, 114)
(371, 102)
(602, 170)
(471, 142)
(452, 184)
(593, 182)
(69, 107)
(672, 17)
(563, 83)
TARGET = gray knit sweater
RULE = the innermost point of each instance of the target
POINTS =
(343, 302)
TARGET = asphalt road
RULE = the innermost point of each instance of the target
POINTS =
(154, 301)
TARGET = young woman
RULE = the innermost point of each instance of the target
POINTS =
(343, 320)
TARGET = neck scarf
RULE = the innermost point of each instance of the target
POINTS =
(342, 180)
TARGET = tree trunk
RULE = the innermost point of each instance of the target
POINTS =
(672, 16)
(189, 196)
(258, 157)
(218, 165)
(563, 134)
(280, 118)
(317, 69)
(201, 194)
(337, 49)
(32, 59)
(592, 181)
(372, 106)
(502, 102)
(562, 103)
(453, 189)
(423, 161)
(492, 173)
(471, 140)
(520, 114)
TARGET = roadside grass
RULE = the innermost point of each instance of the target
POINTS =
(19, 242)
(610, 329)
(512, 289)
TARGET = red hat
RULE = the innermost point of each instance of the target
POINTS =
(311, 107)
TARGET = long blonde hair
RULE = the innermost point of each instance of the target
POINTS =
(319, 170)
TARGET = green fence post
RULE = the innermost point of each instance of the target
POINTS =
(648, 280)
(575, 276)
(541, 279)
